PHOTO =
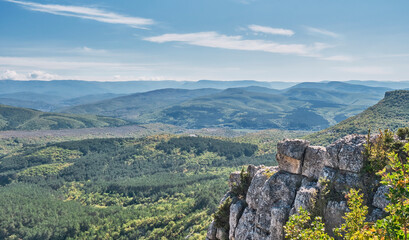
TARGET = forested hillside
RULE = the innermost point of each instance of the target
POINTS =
(134, 105)
(14, 118)
(306, 106)
(123, 188)
(392, 112)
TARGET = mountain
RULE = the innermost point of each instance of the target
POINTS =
(389, 84)
(134, 105)
(14, 118)
(391, 112)
(342, 87)
(306, 106)
(238, 108)
(76, 88)
(49, 103)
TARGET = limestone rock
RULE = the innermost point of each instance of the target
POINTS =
(351, 157)
(279, 216)
(278, 191)
(245, 227)
(290, 154)
(252, 170)
(328, 173)
(274, 194)
(211, 232)
(236, 210)
(254, 191)
(379, 199)
(306, 197)
(314, 159)
(221, 234)
(346, 153)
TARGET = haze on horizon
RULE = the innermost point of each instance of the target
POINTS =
(217, 39)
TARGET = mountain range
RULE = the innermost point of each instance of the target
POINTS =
(306, 106)
(203, 104)
(14, 118)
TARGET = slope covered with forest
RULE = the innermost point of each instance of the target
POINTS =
(122, 188)
(306, 106)
(14, 118)
(392, 112)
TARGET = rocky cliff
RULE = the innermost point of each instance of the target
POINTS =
(315, 178)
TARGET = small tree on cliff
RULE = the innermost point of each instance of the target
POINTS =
(390, 156)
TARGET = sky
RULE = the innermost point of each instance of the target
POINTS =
(264, 40)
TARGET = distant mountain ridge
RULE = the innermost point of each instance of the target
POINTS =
(305, 106)
(14, 118)
(391, 112)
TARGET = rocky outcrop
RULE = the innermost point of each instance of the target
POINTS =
(276, 193)
(290, 155)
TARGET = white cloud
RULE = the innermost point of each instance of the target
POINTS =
(340, 58)
(34, 75)
(86, 13)
(40, 75)
(270, 30)
(90, 51)
(11, 75)
(366, 70)
(322, 32)
(215, 40)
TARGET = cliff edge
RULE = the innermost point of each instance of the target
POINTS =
(315, 178)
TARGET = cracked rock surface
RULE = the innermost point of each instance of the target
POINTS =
(275, 193)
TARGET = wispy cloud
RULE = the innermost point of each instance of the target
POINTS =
(270, 30)
(340, 58)
(60, 64)
(366, 70)
(215, 40)
(322, 32)
(34, 75)
(86, 13)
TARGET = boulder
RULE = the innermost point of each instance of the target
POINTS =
(350, 156)
(279, 216)
(346, 153)
(278, 191)
(314, 160)
(379, 200)
(236, 210)
(306, 197)
(254, 192)
(245, 228)
(290, 155)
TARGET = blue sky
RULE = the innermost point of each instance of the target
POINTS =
(266, 40)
